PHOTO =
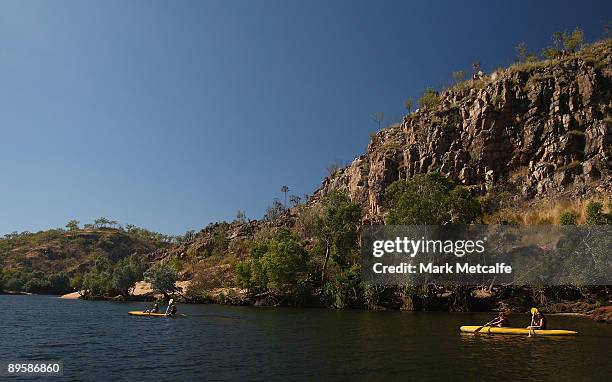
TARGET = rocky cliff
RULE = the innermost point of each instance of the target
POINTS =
(534, 129)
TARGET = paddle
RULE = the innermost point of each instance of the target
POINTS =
(534, 311)
(487, 324)
(531, 331)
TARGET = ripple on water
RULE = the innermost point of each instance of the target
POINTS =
(99, 341)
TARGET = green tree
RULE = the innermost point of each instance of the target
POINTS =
(336, 228)
(101, 222)
(97, 284)
(249, 273)
(98, 281)
(283, 262)
(243, 274)
(162, 278)
(569, 42)
(37, 282)
(72, 225)
(59, 283)
(76, 282)
(126, 273)
(278, 265)
(573, 41)
(429, 98)
(429, 199)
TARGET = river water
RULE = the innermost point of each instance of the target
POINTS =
(98, 341)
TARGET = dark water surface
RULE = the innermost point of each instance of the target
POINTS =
(98, 341)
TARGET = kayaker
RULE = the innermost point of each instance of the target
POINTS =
(171, 310)
(538, 321)
(155, 309)
(501, 321)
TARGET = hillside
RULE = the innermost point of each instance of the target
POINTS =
(59, 254)
(70, 251)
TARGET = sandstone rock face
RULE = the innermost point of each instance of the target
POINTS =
(538, 130)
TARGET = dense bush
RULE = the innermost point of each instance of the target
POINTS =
(595, 214)
(429, 98)
(336, 229)
(568, 218)
(429, 199)
(35, 282)
(277, 265)
(162, 278)
(275, 211)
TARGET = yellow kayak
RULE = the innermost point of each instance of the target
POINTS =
(525, 331)
(139, 313)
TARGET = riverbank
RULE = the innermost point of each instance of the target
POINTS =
(143, 293)
(15, 293)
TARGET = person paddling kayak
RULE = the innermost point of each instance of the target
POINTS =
(501, 321)
(155, 309)
(538, 321)
(171, 310)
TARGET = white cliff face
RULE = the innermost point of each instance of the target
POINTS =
(537, 130)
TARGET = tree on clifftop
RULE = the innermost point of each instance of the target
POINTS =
(429, 98)
(72, 225)
(284, 190)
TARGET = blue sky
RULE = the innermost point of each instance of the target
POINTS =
(173, 114)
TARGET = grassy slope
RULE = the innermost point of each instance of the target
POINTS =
(70, 251)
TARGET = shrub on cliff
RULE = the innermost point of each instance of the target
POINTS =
(275, 211)
(568, 218)
(429, 199)
(429, 98)
(595, 214)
